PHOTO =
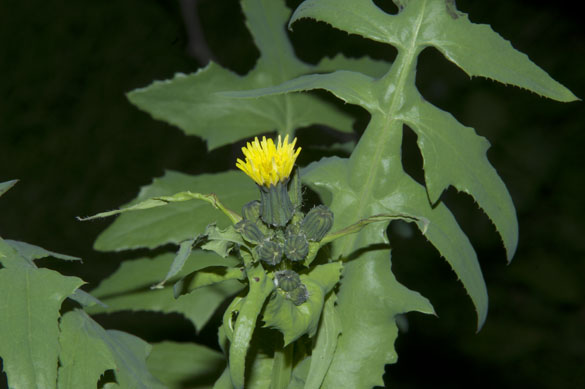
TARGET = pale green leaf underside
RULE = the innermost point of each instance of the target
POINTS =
(30, 302)
(32, 252)
(176, 222)
(129, 288)
(177, 364)
(6, 185)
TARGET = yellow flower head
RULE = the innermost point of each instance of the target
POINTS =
(266, 163)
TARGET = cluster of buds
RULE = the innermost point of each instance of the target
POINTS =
(280, 232)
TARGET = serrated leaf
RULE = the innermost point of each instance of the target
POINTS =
(455, 155)
(178, 365)
(324, 344)
(368, 300)
(296, 320)
(6, 185)
(395, 192)
(129, 288)
(191, 103)
(29, 332)
(475, 48)
(177, 222)
(32, 252)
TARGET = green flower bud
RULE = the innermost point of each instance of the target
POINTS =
(287, 280)
(251, 211)
(269, 252)
(296, 247)
(317, 223)
(250, 231)
(277, 208)
(299, 295)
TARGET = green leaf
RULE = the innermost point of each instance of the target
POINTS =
(206, 277)
(295, 321)
(358, 226)
(10, 258)
(84, 356)
(455, 155)
(324, 344)
(6, 185)
(129, 288)
(33, 252)
(475, 48)
(363, 197)
(191, 103)
(222, 241)
(368, 301)
(85, 299)
(178, 365)
(29, 332)
(177, 222)
(130, 353)
(178, 263)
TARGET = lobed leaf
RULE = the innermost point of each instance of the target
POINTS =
(192, 103)
(368, 301)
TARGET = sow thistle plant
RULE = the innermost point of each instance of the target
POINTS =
(298, 315)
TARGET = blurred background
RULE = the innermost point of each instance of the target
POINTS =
(79, 147)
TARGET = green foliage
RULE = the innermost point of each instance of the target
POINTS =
(192, 103)
(335, 323)
(129, 288)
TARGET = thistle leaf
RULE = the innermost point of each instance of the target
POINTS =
(192, 103)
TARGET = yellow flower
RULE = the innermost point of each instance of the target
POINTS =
(266, 163)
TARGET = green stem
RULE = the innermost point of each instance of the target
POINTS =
(282, 368)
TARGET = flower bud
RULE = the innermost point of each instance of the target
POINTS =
(269, 252)
(251, 211)
(317, 223)
(277, 208)
(250, 231)
(287, 280)
(299, 295)
(296, 247)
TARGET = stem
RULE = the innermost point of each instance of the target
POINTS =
(282, 368)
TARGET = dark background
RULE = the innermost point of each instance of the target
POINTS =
(78, 147)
